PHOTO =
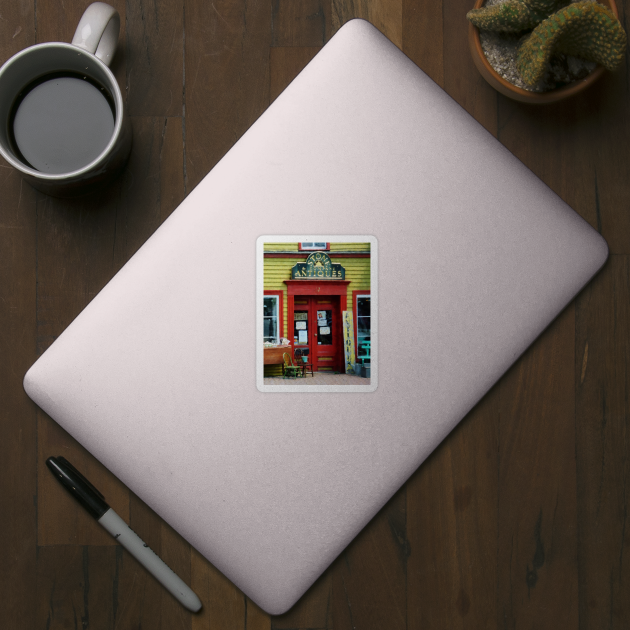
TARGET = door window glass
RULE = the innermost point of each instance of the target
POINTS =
(300, 327)
(324, 328)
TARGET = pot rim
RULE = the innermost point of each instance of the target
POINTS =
(514, 92)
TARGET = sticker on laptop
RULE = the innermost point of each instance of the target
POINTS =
(316, 313)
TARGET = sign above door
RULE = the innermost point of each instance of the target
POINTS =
(318, 265)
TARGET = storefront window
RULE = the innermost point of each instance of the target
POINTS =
(324, 328)
(300, 327)
(363, 326)
(271, 320)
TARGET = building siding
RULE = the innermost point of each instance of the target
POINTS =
(278, 269)
(334, 247)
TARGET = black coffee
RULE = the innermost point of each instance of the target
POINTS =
(62, 122)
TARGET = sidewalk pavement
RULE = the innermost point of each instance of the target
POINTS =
(319, 378)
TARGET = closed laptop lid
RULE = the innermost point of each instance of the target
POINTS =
(160, 376)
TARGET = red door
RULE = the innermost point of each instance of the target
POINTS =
(317, 326)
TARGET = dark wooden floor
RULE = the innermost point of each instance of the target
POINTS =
(518, 520)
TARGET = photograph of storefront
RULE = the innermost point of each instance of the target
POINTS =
(317, 312)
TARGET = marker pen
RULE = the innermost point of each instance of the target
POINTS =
(94, 502)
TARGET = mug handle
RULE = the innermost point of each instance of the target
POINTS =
(98, 30)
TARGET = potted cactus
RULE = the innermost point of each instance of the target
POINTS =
(558, 49)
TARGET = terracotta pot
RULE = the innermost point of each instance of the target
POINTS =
(518, 94)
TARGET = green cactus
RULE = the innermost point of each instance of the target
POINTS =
(513, 16)
(584, 29)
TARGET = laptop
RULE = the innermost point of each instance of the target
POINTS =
(164, 376)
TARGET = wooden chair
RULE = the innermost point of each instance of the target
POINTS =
(289, 369)
(307, 366)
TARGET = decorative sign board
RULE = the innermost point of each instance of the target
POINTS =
(348, 341)
(318, 265)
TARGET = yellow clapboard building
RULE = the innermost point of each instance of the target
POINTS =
(307, 287)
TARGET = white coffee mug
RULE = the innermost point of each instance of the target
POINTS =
(61, 105)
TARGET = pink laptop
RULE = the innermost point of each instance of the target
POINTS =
(472, 256)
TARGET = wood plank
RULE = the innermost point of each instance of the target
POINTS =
(17, 28)
(226, 78)
(171, 159)
(18, 415)
(369, 577)
(462, 80)
(423, 36)
(603, 468)
(537, 537)
(76, 587)
(386, 15)
(18, 420)
(452, 526)
(154, 57)
(607, 134)
(305, 23)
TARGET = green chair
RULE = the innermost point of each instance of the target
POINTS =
(289, 369)
(367, 346)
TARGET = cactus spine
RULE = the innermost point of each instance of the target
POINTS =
(584, 29)
(513, 16)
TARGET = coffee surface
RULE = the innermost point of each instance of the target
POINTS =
(62, 124)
